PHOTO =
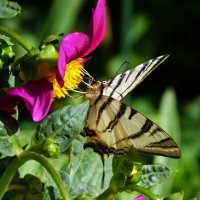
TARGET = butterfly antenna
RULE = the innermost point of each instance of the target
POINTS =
(103, 176)
(88, 84)
(122, 65)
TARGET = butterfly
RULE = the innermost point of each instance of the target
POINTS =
(113, 127)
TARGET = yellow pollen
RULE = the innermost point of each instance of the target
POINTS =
(73, 76)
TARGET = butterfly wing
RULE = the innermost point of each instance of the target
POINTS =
(121, 85)
(113, 127)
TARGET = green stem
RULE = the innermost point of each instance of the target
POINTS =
(144, 191)
(8, 175)
(16, 145)
(19, 161)
(17, 38)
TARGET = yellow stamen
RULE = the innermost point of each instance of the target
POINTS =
(73, 76)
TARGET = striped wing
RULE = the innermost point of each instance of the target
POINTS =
(121, 85)
(113, 127)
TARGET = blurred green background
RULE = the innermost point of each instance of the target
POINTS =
(138, 30)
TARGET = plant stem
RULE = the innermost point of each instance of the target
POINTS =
(8, 175)
(145, 191)
(19, 161)
(16, 145)
(17, 38)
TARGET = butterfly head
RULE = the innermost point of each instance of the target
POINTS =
(95, 90)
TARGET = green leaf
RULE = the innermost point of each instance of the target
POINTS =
(62, 126)
(175, 196)
(153, 174)
(81, 173)
(170, 122)
(6, 147)
(86, 170)
(122, 168)
(169, 116)
(9, 9)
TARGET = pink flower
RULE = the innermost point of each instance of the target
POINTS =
(39, 94)
(141, 197)
(78, 45)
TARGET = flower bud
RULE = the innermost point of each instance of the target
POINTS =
(39, 64)
(51, 147)
(135, 175)
(7, 54)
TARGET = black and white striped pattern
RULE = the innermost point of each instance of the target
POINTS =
(113, 127)
(121, 85)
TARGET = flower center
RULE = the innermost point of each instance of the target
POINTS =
(73, 76)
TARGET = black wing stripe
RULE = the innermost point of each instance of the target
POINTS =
(145, 128)
(100, 95)
(143, 71)
(103, 149)
(132, 113)
(120, 113)
(130, 79)
(164, 143)
(101, 109)
(118, 83)
(159, 61)
(129, 74)
(110, 82)
(144, 66)
(161, 153)
(155, 131)
(129, 87)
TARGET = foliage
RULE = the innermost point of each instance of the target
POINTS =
(46, 160)
(9, 9)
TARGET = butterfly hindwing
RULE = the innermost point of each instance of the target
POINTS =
(120, 127)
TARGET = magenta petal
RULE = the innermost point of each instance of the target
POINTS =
(141, 197)
(97, 26)
(72, 46)
(37, 97)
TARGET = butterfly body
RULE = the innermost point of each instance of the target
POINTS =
(113, 127)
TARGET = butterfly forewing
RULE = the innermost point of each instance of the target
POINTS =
(121, 85)
(113, 127)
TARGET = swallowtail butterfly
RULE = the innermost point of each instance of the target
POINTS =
(113, 127)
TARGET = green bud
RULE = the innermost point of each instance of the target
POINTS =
(7, 55)
(39, 64)
(51, 147)
(48, 54)
(51, 39)
(136, 173)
